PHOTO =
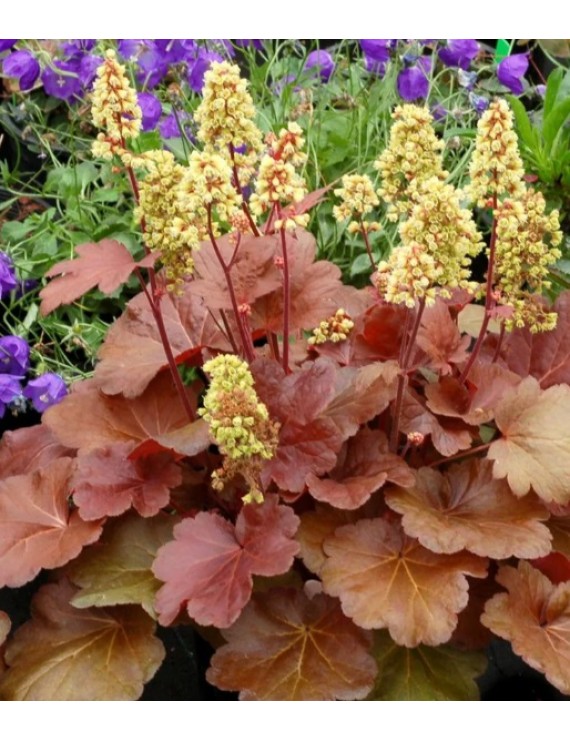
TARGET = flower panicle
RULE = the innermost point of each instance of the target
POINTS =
(357, 198)
(239, 423)
(412, 156)
(114, 108)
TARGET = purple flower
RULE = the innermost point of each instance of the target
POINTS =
(479, 103)
(88, 67)
(511, 71)
(45, 391)
(459, 52)
(6, 44)
(76, 47)
(376, 49)
(256, 43)
(24, 286)
(10, 390)
(14, 355)
(7, 275)
(169, 128)
(467, 79)
(438, 112)
(413, 83)
(541, 90)
(151, 108)
(63, 86)
(198, 68)
(23, 66)
(150, 57)
(322, 61)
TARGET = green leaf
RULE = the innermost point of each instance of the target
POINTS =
(552, 87)
(425, 672)
(554, 122)
(524, 127)
(361, 264)
(14, 231)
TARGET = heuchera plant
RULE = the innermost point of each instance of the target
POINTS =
(356, 488)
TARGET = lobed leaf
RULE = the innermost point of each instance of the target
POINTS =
(386, 580)
(29, 449)
(106, 264)
(208, 568)
(38, 529)
(425, 673)
(286, 646)
(63, 653)
(534, 450)
(440, 339)
(468, 509)
(534, 615)
(107, 483)
(117, 569)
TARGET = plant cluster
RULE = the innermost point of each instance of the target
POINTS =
(348, 490)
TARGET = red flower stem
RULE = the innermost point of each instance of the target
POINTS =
(462, 454)
(286, 301)
(154, 303)
(405, 356)
(229, 333)
(245, 344)
(234, 253)
(489, 300)
(499, 343)
(174, 372)
(273, 344)
(367, 243)
(239, 189)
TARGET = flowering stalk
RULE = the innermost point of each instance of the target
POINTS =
(239, 189)
(246, 345)
(405, 356)
(286, 301)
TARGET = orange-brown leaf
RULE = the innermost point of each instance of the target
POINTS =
(364, 465)
(440, 338)
(534, 450)
(387, 580)
(38, 530)
(448, 437)
(106, 264)
(286, 646)
(29, 449)
(64, 653)
(209, 566)
(315, 528)
(468, 509)
(534, 615)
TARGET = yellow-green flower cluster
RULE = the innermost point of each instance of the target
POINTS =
(439, 239)
(114, 108)
(334, 329)
(410, 274)
(226, 117)
(239, 423)
(358, 198)
(167, 226)
(413, 155)
(496, 169)
(278, 183)
(209, 181)
(527, 241)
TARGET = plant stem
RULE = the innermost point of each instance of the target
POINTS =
(245, 344)
(367, 244)
(405, 355)
(499, 343)
(489, 300)
(167, 349)
(286, 302)
(461, 454)
(239, 189)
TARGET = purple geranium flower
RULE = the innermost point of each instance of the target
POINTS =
(6, 44)
(170, 129)
(511, 71)
(14, 355)
(199, 66)
(377, 49)
(256, 43)
(10, 389)
(23, 66)
(151, 108)
(322, 61)
(413, 83)
(479, 103)
(88, 67)
(45, 391)
(62, 80)
(459, 52)
(7, 275)
(438, 112)
(77, 47)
